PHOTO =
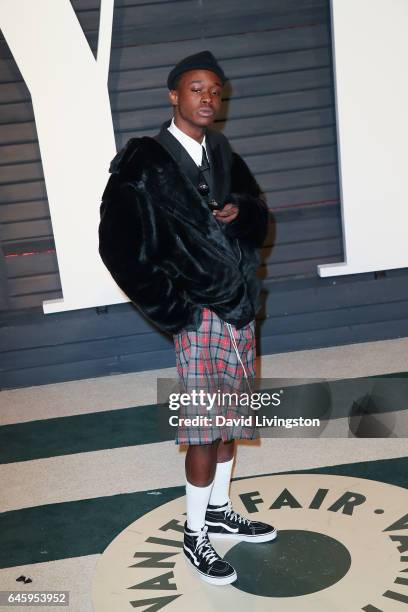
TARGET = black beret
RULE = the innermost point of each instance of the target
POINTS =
(199, 61)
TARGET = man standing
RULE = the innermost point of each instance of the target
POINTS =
(181, 222)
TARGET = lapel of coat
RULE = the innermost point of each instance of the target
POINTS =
(220, 169)
(183, 199)
(179, 153)
(186, 202)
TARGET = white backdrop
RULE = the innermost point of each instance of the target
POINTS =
(370, 55)
(73, 118)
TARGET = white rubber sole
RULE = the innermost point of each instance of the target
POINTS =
(209, 579)
(268, 537)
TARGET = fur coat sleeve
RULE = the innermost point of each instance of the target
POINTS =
(122, 234)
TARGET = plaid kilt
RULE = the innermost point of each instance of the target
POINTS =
(206, 360)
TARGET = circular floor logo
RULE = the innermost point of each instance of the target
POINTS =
(342, 546)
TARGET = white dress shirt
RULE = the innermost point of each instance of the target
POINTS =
(192, 147)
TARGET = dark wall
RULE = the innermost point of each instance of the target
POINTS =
(278, 113)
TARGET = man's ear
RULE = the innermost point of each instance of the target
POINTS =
(173, 97)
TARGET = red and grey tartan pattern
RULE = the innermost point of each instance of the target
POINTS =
(206, 360)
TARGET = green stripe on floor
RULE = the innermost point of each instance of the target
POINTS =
(149, 423)
(81, 433)
(86, 527)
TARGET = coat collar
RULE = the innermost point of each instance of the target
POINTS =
(217, 158)
(178, 152)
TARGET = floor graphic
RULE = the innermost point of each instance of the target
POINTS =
(342, 546)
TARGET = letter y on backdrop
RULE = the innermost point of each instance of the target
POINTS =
(73, 118)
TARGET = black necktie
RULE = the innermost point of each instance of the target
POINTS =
(205, 169)
(206, 185)
(205, 164)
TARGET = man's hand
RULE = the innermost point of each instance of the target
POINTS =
(227, 214)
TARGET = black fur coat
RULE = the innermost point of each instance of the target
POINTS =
(165, 249)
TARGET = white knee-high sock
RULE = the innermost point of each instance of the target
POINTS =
(197, 502)
(220, 491)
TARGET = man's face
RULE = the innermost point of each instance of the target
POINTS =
(197, 98)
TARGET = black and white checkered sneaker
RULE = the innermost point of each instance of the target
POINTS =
(201, 556)
(223, 521)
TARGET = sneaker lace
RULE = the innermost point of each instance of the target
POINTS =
(235, 516)
(204, 548)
